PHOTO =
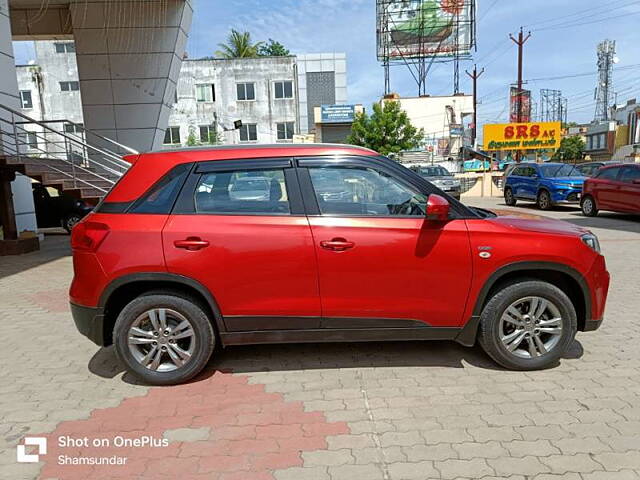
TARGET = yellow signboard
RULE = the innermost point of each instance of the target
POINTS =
(522, 136)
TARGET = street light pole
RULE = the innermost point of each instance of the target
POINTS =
(520, 42)
(474, 76)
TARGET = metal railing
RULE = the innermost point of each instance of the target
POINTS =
(68, 155)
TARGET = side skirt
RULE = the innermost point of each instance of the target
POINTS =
(330, 335)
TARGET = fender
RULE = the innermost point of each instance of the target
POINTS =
(165, 277)
(467, 336)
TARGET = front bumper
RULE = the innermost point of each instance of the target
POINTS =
(567, 196)
(89, 322)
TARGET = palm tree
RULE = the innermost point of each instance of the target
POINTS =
(238, 46)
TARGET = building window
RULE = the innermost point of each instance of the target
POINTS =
(208, 134)
(73, 86)
(172, 136)
(76, 128)
(28, 140)
(285, 130)
(249, 132)
(27, 101)
(246, 91)
(205, 93)
(67, 47)
(284, 89)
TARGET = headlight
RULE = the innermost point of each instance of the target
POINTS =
(591, 241)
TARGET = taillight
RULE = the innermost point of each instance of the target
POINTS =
(87, 236)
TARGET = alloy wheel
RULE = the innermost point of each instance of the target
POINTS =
(587, 206)
(162, 340)
(531, 327)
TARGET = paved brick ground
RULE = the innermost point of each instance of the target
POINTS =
(360, 411)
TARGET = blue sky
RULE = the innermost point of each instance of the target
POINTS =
(565, 34)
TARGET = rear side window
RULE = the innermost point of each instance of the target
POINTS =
(629, 174)
(161, 197)
(608, 173)
(243, 192)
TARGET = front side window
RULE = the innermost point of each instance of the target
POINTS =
(629, 174)
(73, 86)
(249, 132)
(243, 192)
(172, 136)
(363, 191)
(246, 91)
(283, 89)
(25, 97)
(285, 130)
(205, 93)
(608, 173)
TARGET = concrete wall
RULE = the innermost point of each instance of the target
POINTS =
(129, 56)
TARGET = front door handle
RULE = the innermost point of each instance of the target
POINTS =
(192, 244)
(337, 244)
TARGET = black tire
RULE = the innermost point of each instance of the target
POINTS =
(190, 309)
(544, 200)
(509, 199)
(69, 221)
(588, 206)
(491, 329)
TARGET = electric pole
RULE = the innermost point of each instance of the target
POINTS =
(474, 76)
(520, 42)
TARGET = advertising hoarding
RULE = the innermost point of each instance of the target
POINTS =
(522, 136)
(523, 97)
(337, 113)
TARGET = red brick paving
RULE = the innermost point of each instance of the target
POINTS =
(252, 433)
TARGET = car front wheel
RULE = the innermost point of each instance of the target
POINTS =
(544, 200)
(528, 325)
(588, 206)
(509, 199)
(70, 221)
(163, 338)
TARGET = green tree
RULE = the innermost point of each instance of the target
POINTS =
(387, 130)
(239, 45)
(192, 140)
(273, 49)
(571, 148)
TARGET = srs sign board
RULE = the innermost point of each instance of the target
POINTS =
(337, 113)
(522, 136)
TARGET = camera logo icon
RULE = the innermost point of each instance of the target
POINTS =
(24, 457)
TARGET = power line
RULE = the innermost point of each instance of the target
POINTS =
(581, 14)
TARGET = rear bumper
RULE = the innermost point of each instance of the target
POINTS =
(89, 322)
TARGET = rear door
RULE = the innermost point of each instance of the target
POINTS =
(380, 262)
(629, 190)
(239, 229)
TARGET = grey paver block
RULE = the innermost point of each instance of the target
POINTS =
(518, 466)
(300, 473)
(580, 462)
(401, 438)
(413, 471)
(523, 448)
(187, 434)
(470, 450)
(475, 468)
(349, 472)
(327, 457)
(619, 461)
(441, 451)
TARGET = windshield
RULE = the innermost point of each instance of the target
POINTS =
(434, 172)
(560, 171)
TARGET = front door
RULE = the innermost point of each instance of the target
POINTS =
(239, 229)
(629, 189)
(380, 262)
(607, 189)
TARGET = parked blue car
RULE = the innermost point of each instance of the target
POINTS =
(546, 184)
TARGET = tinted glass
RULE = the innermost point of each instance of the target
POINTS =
(363, 191)
(243, 192)
(433, 172)
(161, 197)
(608, 173)
(629, 174)
(551, 171)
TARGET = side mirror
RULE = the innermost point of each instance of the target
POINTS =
(437, 208)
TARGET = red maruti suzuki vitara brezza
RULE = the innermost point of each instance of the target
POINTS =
(319, 243)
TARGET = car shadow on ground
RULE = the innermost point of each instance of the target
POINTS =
(54, 247)
(290, 357)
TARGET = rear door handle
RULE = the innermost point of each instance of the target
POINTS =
(337, 244)
(192, 244)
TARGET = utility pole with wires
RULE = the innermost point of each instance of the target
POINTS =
(474, 76)
(520, 43)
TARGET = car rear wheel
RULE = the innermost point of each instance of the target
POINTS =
(588, 206)
(528, 325)
(544, 200)
(509, 199)
(70, 221)
(164, 339)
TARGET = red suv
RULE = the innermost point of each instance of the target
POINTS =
(615, 188)
(319, 243)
